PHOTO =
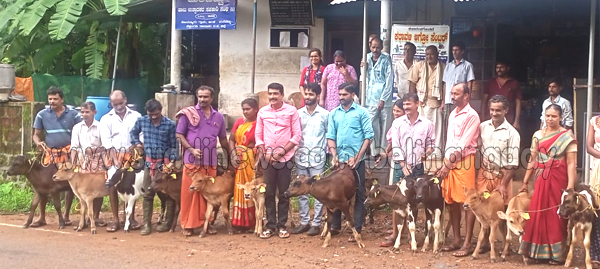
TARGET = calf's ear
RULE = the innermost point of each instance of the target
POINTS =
(501, 215)
(239, 186)
(264, 185)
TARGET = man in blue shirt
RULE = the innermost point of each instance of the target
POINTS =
(349, 134)
(380, 81)
(160, 148)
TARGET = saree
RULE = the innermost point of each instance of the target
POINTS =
(193, 204)
(243, 214)
(545, 231)
(595, 186)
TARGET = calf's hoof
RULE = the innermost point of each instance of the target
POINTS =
(325, 245)
(67, 222)
(502, 258)
(396, 250)
(202, 234)
(37, 224)
(94, 231)
(493, 260)
(61, 226)
(26, 225)
(79, 229)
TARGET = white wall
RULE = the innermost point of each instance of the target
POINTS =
(272, 65)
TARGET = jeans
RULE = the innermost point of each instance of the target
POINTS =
(359, 205)
(303, 200)
(417, 170)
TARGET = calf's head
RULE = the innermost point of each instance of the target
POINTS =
(422, 187)
(252, 188)
(374, 197)
(199, 181)
(19, 166)
(515, 220)
(572, 201)
(473, 199)
(66, 172)
(300, 186)
(160, 181)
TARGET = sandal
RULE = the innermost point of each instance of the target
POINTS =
(266, 234)
(450, 248)
(211, 230)
(187, 232)
(553, 262)
(461, 253)
(113, 228)
(387, 243)
(334, 232)
(352, 239)
(284, 234)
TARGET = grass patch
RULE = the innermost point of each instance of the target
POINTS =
(15, 197)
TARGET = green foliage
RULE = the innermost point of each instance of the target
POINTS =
(116, 7)
(33, 14)
(63, 21)
(94, 52)
(15, 196)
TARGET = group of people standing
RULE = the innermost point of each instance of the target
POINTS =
(431, 119)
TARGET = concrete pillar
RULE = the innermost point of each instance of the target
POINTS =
(175, 78)
(385, 25)
(172, 103)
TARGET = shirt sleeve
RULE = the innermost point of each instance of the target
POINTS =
(518, 93)
(105, 134)
(514, 142)
(430, 140)
(398, 153)
(543, 112)
(367, 126)
(223, 130)
(389, 82)
(259, 133)
(446, 75)
(352, 72)
(470, 74)
(331, 130)
(173, 141)
(568, 114)
(134, 134)
(413, 76)
(78, 118)
(38, 123)
(75, 138)
(296, 127)
(182, 125)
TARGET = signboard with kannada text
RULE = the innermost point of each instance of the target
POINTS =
(422, 36)
(205, 14)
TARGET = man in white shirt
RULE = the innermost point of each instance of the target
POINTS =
(116, 125)
(554, 89)
(86, 148)
(403, 68)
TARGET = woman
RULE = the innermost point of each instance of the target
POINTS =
(313, 72)
(242, 140)
(335, 75)
(593, 148)
(554, 150)
(395, 174)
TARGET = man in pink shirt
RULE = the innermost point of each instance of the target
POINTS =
(458, 171)
(278, 131)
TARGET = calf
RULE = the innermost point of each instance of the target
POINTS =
(395, 195)
(579, 207)
(255, 190)
(369, 182)
(87, 187)
(335, 191)
(426, 190)
(218, 192)
(515, 217)
(40, 178)
(130, 186)
(168, 187)
(485, 207)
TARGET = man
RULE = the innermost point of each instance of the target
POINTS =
(55, 124)
(413, 139)
(159, 148)
(404, 68)
(198, 129)
(380, 82)
(554, 89)
(426, 80)
(86, 148)
(458, 170)
(278, 131)
(310, 155)
(499, 145)
(503, 84)
(457, 71)
(114, 131)
(349, 134)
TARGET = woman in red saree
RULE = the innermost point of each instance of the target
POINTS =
(242, 140)
(554, 158)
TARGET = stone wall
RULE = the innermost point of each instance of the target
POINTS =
(16, 123)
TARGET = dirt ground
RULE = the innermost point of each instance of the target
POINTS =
(57, 248)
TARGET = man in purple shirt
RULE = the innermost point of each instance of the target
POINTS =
(198, 129)
(278, 131)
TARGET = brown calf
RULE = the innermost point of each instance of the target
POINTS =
(87, 187)
(218, 192)
(579, 208)
(255, 190)
(335, 191)
(515, 216)
(168, 188)
(485, 207)
(40, 178)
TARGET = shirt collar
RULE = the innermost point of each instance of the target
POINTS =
(406, 119)
(465, 109)
(305, 110)
(341, 107)
(112, 112)
(555, 100)
(460, 62)
(504, 125)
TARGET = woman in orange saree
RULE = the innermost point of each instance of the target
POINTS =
(242, 140)
(554, 160)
